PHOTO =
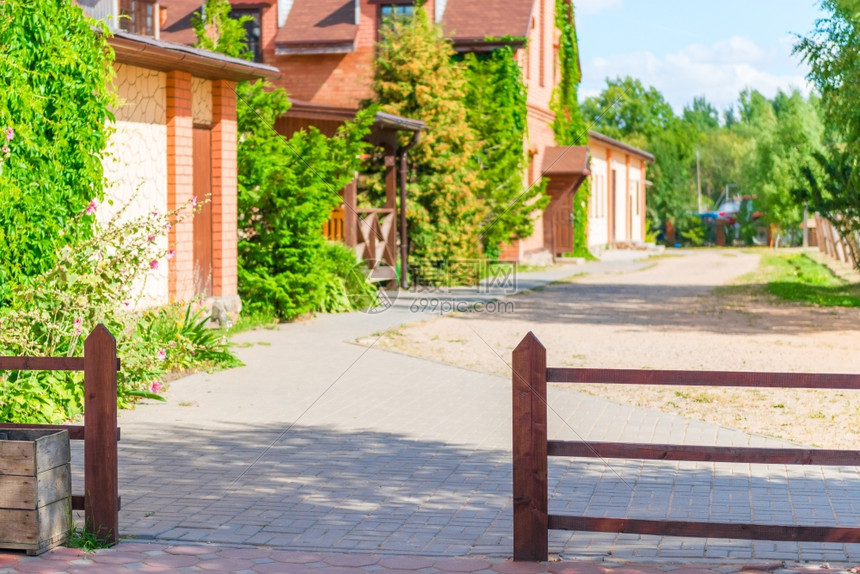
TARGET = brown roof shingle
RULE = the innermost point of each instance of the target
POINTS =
(319, 22)
(477, 19)
(177, 27)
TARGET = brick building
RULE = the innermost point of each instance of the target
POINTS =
(325, 52)
(175, 138)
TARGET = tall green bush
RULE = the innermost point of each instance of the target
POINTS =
(497, 112)
(55, 89)
(569, 125)
(416, 76)
(287, 191)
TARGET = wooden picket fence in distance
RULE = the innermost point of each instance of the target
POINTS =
(531, 448)
(100, 501)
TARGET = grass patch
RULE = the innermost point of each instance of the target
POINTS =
(250, 321)
(797, 277)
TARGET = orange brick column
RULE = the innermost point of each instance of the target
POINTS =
(180, 183)
(224, 188)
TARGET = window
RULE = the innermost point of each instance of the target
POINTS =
(252, 31)
(137, 16)
(397, 11)
(392, 10)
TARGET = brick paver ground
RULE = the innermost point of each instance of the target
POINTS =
(136, 557)
(320, 445)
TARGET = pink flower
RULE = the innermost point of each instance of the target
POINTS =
(171, 254)
(167, 226)
(78, 323)
(4, 149)
(91, 208)
(126, 303)
(155, 214)
(155, 387)
(153, 264)
(151, 238)
(194, 201)
(10, 133)
(162, 354)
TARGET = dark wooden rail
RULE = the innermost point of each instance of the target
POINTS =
(100, 501)
(531, 448)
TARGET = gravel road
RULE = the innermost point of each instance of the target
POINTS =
(668, 316)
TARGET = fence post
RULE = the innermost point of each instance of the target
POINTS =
(531, 540)
(101, 490)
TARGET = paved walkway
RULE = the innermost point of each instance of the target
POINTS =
(320, 445)
(135, 557)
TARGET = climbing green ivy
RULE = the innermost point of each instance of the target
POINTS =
(569, 126)
(55, 89)
(497, 112)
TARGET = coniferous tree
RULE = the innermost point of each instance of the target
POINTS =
(416, 77)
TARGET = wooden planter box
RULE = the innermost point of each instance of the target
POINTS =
(35, 489)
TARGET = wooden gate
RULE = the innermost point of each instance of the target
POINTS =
(203, 261)
(531, 448)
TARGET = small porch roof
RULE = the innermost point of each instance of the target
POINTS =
(382, 120)
(566, 167)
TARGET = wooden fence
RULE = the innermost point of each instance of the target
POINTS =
(100, 501)
(845, 249)
(531, 448)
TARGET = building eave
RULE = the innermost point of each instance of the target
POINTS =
(486, 44)
(622, 146)
(164, 56)
(307, 48)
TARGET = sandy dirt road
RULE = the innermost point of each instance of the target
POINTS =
(668, 316)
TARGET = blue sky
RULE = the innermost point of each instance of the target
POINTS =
(686, 48)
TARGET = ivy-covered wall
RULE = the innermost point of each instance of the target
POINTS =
(55, 85)
(569, 126)
(497, 112)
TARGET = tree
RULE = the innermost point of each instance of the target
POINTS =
(287, 190)
(833, 54)
(218, 32)
(625, 107)
(702, 115)
(496, 104)
(416, 76)
(787, 133)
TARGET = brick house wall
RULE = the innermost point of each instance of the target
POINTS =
(172, 98)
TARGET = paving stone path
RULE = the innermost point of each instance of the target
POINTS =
(136, 557)
(320, 454)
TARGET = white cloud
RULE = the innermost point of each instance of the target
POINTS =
(594, 6)
(719, 72)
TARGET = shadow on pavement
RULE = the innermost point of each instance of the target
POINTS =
(320, 489)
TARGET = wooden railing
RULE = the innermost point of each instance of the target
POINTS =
(100, 501)
(333, 229)
(377, 242)
(531, 448)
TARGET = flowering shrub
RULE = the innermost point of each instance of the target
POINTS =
(99, 281)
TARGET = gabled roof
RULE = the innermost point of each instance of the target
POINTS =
(469, 22)
(318, 23)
